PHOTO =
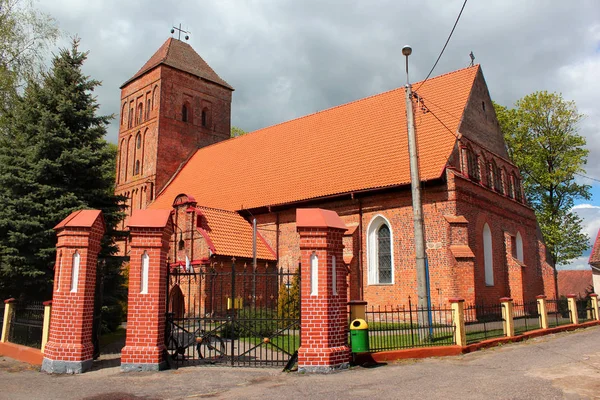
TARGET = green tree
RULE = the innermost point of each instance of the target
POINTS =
(53, 160)
(288, 303)
(235, 131)
(542, 139)
(25, 34)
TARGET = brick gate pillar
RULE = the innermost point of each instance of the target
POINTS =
(150, 231)
(69, 349)
(324, 319)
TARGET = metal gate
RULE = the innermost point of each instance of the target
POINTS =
(233, 315)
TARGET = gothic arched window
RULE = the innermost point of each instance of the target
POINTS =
(380, 252)
(473, 165)
(184, 113)
(519, 245)
(498, 187)
(124, 114)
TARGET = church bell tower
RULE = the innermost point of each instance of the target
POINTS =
(172, 106)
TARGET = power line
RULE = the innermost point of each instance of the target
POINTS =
(444, 48)
(588, 177)
(438, 106)
(426, 109)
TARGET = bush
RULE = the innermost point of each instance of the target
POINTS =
(251, 322)
(288, 304)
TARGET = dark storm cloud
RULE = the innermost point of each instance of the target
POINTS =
(290, 58)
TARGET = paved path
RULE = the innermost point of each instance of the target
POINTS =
(561, 366)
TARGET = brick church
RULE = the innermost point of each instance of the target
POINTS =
(483, 242)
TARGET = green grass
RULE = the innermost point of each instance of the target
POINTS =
(289, 343)
(478, 336)
(406, 340)
(112, 337)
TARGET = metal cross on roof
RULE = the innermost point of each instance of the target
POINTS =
(179, 31)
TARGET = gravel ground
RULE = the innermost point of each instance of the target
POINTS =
(560, 366)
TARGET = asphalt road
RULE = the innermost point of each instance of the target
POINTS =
(561, 366)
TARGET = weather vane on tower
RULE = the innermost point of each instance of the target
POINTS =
(180, 31)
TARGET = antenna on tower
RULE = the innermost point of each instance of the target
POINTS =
(472, 59)
(180, 31)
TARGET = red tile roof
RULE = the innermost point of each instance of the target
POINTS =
(318, 218)
(149, 218)
(357, 146)
(595, 255)
(231, 235)
(461, 251)
(574, 281)
(180, 55)
(80, 219)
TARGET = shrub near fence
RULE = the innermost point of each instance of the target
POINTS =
(585, 311)
(27, 324)
(395, 327)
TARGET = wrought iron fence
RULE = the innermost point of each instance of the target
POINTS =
(558, 312)
(27, 324)
(526, 317)
(401, 327)
(233, 315)
(483, 322)
(585, 311)
(1, 316)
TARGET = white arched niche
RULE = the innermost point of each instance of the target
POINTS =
(488, 257)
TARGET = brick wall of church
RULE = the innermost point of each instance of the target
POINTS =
(450, 277)
(153, 104)
(178, 140)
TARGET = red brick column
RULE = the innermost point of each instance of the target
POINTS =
(324, 320)
(69, 349)
(150, 231)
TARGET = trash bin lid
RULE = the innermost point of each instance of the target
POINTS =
(358, 324)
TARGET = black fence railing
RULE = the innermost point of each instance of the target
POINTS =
(2, 306)
(526, 317)
(558, 312)
(27, 324)
(402, 327)
(585, 311)
(483, 322)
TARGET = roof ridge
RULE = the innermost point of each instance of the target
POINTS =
(219, 209)
(170, 40)
(361, 99)
(421, 83)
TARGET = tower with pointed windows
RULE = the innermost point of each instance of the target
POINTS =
(172, 106)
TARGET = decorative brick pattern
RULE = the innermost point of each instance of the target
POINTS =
(144, 344)
(156, 97)
(324, 318)
(69, 348)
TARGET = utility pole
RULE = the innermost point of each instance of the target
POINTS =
(415, 183)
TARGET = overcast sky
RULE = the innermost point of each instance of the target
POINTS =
(288, 58)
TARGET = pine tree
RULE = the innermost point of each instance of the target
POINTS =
(53, 160)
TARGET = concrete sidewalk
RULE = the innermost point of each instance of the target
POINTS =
(560, 366)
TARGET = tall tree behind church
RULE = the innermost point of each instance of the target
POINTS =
(53, 160)
(542, 139)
